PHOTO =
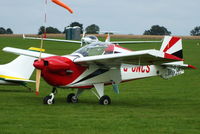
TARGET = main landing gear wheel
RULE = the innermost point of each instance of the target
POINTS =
(105, 100)
(71, 98)
(48, 100)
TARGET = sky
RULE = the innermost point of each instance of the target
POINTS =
(122, 16)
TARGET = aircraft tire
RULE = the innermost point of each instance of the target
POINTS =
(71, 98)
(47, 100)
(105, 100)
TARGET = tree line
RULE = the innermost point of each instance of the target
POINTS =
(91, 29)
(94, 29)
(6, 31)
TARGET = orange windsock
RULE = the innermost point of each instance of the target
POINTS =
(58, 2)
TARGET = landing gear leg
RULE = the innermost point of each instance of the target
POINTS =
(73, 98)
(103, 99)
(54, 90)
(50, 98)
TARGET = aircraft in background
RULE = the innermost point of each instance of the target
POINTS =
(18, 71)
(88, 39)
(103, 63)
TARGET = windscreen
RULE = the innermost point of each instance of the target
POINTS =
(93, 49)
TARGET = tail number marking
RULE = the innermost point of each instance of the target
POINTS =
(139, 69)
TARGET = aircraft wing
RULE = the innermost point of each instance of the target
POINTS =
(49, 39)
(133, 42)
(18, 80)
(14, 79)
(144, 57)
(26, 52)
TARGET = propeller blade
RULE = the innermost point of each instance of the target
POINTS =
(58, 2)
(38, 71)
(38, 76)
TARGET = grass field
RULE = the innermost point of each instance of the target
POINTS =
(148, 106)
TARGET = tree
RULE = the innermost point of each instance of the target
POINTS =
(195, 31)
(5, 31)
(157, 30)
(9, 31)
(2, 30)
(74, 24)
(92, 29)
(48, 30)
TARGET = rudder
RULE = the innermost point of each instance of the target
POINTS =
(172, 45)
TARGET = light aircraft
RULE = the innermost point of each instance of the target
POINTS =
(88, 39)
(104, 63)
(18, 71)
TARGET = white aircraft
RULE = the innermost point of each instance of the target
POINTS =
(18, 71)
(103, 63)
(88, 39)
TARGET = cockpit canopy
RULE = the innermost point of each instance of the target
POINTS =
(98, 48)
(89, 39)
(92, 37)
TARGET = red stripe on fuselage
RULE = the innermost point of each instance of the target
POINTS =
(169, 56)
(122, 48)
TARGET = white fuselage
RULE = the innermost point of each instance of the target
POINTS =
(126, 73)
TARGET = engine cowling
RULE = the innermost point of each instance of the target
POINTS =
(52, 64)
(58, 70)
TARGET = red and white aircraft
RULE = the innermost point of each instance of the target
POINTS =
(104, 63)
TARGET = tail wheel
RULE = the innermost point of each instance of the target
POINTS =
(48, 100)
(105, 100)
(71, 98)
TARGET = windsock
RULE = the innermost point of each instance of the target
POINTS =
(58, 2)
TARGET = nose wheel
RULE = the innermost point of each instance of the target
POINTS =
(50, 98)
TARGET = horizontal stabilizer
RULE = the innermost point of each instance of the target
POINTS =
(180, 64)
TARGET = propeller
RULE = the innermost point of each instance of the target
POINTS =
(38, 76)
(38, 71)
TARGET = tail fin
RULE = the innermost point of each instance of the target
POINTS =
(107, 38)
(20, 68)
(173, 46)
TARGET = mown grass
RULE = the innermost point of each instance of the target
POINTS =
(150, 105)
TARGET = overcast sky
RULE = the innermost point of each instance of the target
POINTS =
(123, 16)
